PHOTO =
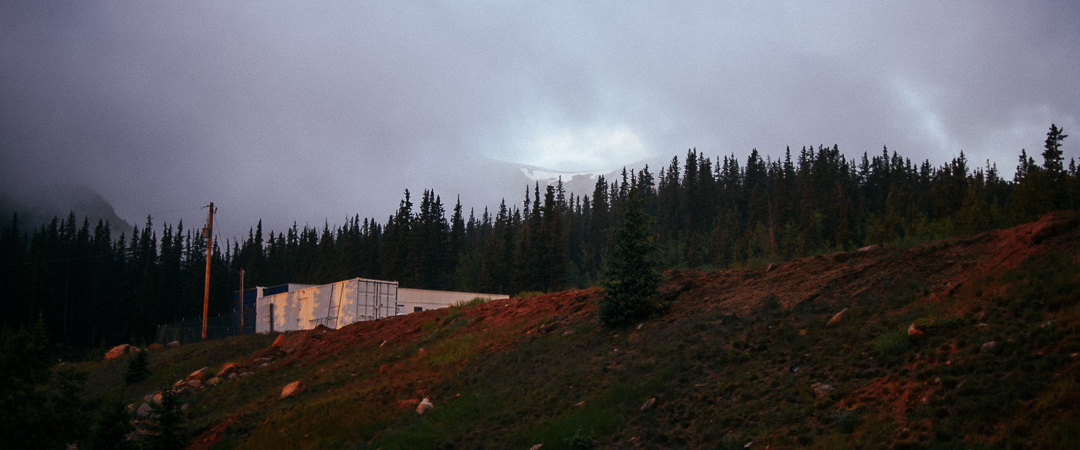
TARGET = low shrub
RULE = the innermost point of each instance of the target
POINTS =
(581, 441)
(893, 344)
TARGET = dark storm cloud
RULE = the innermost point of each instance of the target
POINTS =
(317, 111)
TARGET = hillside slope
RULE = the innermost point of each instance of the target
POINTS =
(740, 358)
(37, 205)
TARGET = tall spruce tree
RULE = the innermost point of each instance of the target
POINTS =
(630, 279)
(1052, 159)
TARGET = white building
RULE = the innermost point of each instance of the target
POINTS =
(338, 304)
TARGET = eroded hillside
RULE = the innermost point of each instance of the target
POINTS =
(740, 359)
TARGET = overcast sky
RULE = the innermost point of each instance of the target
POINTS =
(314, 111)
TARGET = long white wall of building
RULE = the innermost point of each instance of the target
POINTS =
(338, 304)
(334, 305)
(413, 300)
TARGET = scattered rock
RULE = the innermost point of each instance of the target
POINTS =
(261, 361)
(157, 397)
(867, 248)
(200, 374)
(229, 369)
(407, 403)
(822, 389)
(292, 389)
(915, 334)
(195, 384)
(839, 317)
(116, 352)
(1052, 225)
(421, 353)
(424, 406)
(173, 344)
(384, 369)
(648, 404)
(278, 342)
(232, 376)
(143, 411)
(988, 346)
(748, 444)
(536, 447)
(185, 389)
(213, 381)
(155, 347)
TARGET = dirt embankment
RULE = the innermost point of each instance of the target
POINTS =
(944, 266)
(836, 280)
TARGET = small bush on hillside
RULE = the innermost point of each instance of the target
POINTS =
(937, 323)
(138, 368)
(167, 428)
(581, 441)
(476, 301)
(893, 344)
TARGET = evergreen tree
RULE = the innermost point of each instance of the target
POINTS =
(1056, 179)
(112, 429)
(1052, 158)
(41, 405)
(138, 368)
(167, 427)
(553, 244)
(630, 279)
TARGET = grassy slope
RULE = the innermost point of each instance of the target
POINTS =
(740, 356)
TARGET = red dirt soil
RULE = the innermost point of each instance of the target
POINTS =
(944, 265)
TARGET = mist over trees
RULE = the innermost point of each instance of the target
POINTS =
(710, 212)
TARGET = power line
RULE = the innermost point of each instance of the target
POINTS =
(194, 208)
(128, 252)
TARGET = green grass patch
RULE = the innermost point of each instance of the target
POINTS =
(454, 349)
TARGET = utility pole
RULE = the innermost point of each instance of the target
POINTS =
(209, 232)
(240, 308)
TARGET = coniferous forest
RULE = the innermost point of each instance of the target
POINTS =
(712, 212)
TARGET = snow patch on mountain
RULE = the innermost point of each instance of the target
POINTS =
(551, 176)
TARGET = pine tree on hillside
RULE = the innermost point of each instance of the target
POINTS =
(630, 280)
(1054, 169)
(1052, 159)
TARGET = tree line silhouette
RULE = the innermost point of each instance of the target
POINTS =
(706, 212)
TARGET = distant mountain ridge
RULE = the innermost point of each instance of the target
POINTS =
(38, 206)
(580, 183)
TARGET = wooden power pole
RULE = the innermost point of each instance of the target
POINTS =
(209, 231)
(240, 309)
